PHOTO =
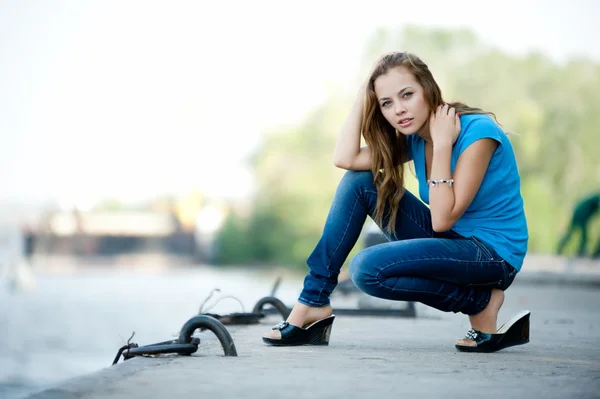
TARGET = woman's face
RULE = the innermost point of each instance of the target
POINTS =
(402, 100)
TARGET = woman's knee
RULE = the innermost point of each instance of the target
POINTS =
(361, 270)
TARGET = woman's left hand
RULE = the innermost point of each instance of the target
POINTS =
(444, 125)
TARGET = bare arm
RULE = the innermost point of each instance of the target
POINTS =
(448, 204)
(348, 153)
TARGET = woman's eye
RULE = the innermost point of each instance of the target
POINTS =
(385, 103)
(406, 95)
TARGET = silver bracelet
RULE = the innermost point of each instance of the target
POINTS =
(435, 183)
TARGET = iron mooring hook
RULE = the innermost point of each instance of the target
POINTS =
(185, 345)
(212, 324)
(276, 303)
(120, 352)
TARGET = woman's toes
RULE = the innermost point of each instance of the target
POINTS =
(274, 334)
(466, 342)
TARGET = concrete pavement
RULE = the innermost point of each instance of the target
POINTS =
(380, 357)
(560, 270)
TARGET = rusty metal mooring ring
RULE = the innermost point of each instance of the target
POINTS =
(276, 303)
(185, 344)
(212, 324)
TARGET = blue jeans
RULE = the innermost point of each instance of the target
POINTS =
(446, 271)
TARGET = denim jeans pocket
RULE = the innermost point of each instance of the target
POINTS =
(486, 252)
(487, 255)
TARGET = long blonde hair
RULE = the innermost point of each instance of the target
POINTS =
(388, 147)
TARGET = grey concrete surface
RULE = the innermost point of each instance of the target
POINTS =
(381, 357)
(560, 270)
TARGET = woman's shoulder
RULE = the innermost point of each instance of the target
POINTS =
(476, 122)
(479, 126)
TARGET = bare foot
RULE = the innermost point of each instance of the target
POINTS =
(486, 320)
(301, 316)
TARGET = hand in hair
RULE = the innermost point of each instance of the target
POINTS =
(444, 125)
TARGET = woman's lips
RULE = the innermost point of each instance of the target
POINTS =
(405, 122)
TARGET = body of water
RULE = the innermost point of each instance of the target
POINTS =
(72, 324)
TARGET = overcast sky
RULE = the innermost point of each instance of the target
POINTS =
(130, 99)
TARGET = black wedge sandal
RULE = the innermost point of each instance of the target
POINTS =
(316, 333)
(513, 332)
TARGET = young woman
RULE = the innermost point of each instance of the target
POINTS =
(457, 255)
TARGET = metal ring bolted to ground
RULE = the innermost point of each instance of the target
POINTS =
(185, 344)
(212, 324)
(277, 304)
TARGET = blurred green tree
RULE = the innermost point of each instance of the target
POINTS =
(553, 110)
